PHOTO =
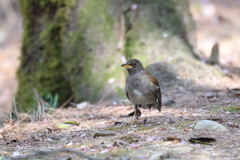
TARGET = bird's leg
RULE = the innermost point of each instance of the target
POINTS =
(150, 118)
(134, 114)
(134, 117)
(145, 119)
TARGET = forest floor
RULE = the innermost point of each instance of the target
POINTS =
(101, 133)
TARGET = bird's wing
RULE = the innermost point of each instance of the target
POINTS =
(157, 91)
(126, 89)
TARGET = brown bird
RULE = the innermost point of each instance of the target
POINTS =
(142, 88)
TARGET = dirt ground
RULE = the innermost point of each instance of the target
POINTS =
(166, 134)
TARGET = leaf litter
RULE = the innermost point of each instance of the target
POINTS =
(105, 134)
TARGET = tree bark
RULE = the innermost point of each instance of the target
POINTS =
(73, 47)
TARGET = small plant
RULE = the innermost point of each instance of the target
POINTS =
(48, 103)
(121, 92)
(231, 109)
(52, 100)
(2, 155)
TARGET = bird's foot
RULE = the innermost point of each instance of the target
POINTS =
(138, 114)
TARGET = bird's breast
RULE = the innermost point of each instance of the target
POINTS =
(140, 89)
(137, 93)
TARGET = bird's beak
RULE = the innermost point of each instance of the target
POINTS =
(126, 66)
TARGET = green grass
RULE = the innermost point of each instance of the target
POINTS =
(2, 156)
(230, 108)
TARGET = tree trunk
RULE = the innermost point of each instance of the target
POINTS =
(73, 47)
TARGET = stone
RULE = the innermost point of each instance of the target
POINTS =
(156, 156)
(214, 58)
(82, 105)
(163, 155)
(209, 126)
(126, 102)
(182, 149)
(128, 120)
(230, 123)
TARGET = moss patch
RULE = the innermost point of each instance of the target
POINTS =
(230, 108)
(70, 46)
(42, 64)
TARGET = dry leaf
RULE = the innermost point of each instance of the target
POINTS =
(236, 125)
(203, 140)
(237, 108)
(176, 141)
(8, 124)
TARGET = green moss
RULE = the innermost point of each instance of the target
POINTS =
(230, 108)
(163, 18)
(88, 49)
(41, 59)
(69, 46)
(118, 152)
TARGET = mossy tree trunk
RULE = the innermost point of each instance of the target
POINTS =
(69, 47)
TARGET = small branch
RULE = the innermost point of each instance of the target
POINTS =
(65, 103)
(15, 107)
(122, 24)
(22, 101)
(10, 116)
(40, 153)
(122, 142)
(36, 94)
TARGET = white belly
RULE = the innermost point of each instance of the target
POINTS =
(138, 97)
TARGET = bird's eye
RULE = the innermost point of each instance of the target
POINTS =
(134, 64)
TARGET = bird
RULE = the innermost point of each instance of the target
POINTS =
(142, 89)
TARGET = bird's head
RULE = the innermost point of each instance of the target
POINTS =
(133, 66)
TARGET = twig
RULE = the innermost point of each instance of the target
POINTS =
(65, 103)
(39, 110)
(123, 142)
(50, 117)
(86, 130)
(15, 107)
(205, 90)
(10, 116)
(40, 153)
(99, 104)
(19, 122)
(36, 94)
(22, 101)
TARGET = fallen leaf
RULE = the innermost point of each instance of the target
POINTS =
(16, 154)
(236, 125)
(149, 139)
(202, 140)
(68, 124)
(103, 134)
(172, 139)
(8, 124)
(69, 144)
(176, 141)
(214, 119)
(235, 91)
(117, 123)
(104, 151)
(237, 108)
